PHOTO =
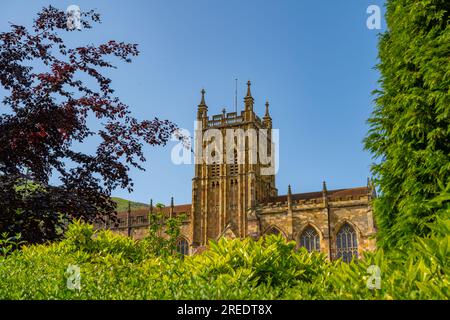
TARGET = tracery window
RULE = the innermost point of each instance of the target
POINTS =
(346, 243)
(310, 239)
(183, 247)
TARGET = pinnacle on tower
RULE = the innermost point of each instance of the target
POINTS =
(249, 94)
(202, 102)
(267, 115)
(267, 119)
(248, 100)
(202, 107)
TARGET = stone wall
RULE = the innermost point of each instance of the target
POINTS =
(325, 214)
(326, 217)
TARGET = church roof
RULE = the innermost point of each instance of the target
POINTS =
(177, 210)
(332, 195)
(335, 194)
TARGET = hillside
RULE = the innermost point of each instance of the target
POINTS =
(122, 204)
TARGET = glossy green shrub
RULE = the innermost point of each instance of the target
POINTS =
(116, 267)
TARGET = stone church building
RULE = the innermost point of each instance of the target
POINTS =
(235, 200)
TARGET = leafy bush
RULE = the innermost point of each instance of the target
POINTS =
(117, 267)
(8, 244)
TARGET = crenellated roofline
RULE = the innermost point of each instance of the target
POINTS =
(233, 118)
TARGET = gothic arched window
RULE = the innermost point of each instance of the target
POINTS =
(310, 239)
(183, 247)
(273, 230)
(346, 243)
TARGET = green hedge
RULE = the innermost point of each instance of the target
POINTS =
(117, 267)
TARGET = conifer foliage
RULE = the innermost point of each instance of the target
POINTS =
(410, 125)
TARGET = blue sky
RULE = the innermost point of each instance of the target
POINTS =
(313, 60)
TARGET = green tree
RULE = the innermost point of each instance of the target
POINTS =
(155, 242)
(410, 126)
(50, 94)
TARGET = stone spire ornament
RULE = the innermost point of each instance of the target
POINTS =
(248, 100)
(267, 119)
(249, 93)
(202, 107)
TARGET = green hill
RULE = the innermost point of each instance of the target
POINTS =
(122, 204)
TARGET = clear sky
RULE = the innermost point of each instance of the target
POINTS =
(313, 60)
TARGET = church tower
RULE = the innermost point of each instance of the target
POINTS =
(234, 193)
(234, 154)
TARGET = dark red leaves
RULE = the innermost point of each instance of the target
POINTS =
(48, 116)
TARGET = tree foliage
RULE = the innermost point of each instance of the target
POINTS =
(410, 125)
(50, 99)
(163, 233)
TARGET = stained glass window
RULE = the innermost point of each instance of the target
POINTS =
(310, 239)
(183, 247)
(346, 243)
